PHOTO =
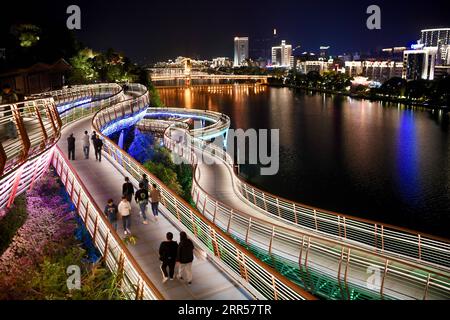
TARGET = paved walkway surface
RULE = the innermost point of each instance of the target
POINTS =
(216, 180)
(104, 181)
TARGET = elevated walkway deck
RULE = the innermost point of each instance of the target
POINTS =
(104, 181)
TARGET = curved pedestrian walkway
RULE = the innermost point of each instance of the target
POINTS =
(104, 181)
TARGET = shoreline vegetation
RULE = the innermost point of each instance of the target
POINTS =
(406, 102)
(428, 94)
(49, 240)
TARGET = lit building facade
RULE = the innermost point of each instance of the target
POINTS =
(221, 62)
(324, 52)
(282, 55)
(419, 63)
(374, 70)
(240, 50)
(308, 66)
(439, 38)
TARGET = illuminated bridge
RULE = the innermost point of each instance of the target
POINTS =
(186, 74)
(250, 244)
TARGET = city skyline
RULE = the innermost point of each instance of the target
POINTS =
(201, 30)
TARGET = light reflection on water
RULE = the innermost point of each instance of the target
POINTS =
(374, 160)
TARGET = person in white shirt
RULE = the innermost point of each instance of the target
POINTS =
(125, 211)
(86, 145)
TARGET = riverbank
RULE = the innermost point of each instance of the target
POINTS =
(364, 97)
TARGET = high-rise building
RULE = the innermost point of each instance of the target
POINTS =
(281, 55)
(419, 63)
(324, 52)
(240, 50)
(439, 38)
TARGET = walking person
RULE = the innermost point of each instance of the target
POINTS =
(98, 149)
(71, 146)
(168, 255)
(155, 198)
(145, 181)
(128, 189)
(125, 212)
(8, 96)
(185, 256)
(141, 198)
(94, 142)
(111, 212)
(86, 145)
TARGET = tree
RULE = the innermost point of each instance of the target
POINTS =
(395, 86)
(83, 67)
(314, 79)
(416, 89)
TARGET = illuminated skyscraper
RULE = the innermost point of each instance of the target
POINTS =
(439, 38)
(240, 50)
(281, 55)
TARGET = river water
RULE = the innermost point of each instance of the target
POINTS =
(374, 160)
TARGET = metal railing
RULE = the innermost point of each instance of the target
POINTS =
(35, 124)
(23, 178)
(219, 122)
(379, 237)
(239, 260)
(310, 258)
(73, 96)
(107, 94)
(134, 283)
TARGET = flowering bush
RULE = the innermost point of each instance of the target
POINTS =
(34, 265)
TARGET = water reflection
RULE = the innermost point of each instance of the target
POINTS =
(381, 161)
(408, 175)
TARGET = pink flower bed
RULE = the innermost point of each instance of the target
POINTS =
(49, 229)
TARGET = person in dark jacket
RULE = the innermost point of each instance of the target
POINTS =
(141, 198)
(94, 143)
(111, 212)
(185, 256)
(128, 189)
(145, 181)
(8, 96)
(98, 145)
(71, 146)
(168, 255)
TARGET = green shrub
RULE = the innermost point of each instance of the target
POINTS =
(12, 221)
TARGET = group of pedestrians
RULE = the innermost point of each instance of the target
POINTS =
(96, 142)
(171, 253)
(142, 196)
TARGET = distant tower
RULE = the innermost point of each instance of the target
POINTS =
(240, 50)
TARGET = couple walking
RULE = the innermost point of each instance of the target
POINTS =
(96, 141)
(171, 253)
(112, 211)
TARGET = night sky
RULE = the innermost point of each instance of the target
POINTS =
(149, 31)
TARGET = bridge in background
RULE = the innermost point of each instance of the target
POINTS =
(265, 246)
(187, 74)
